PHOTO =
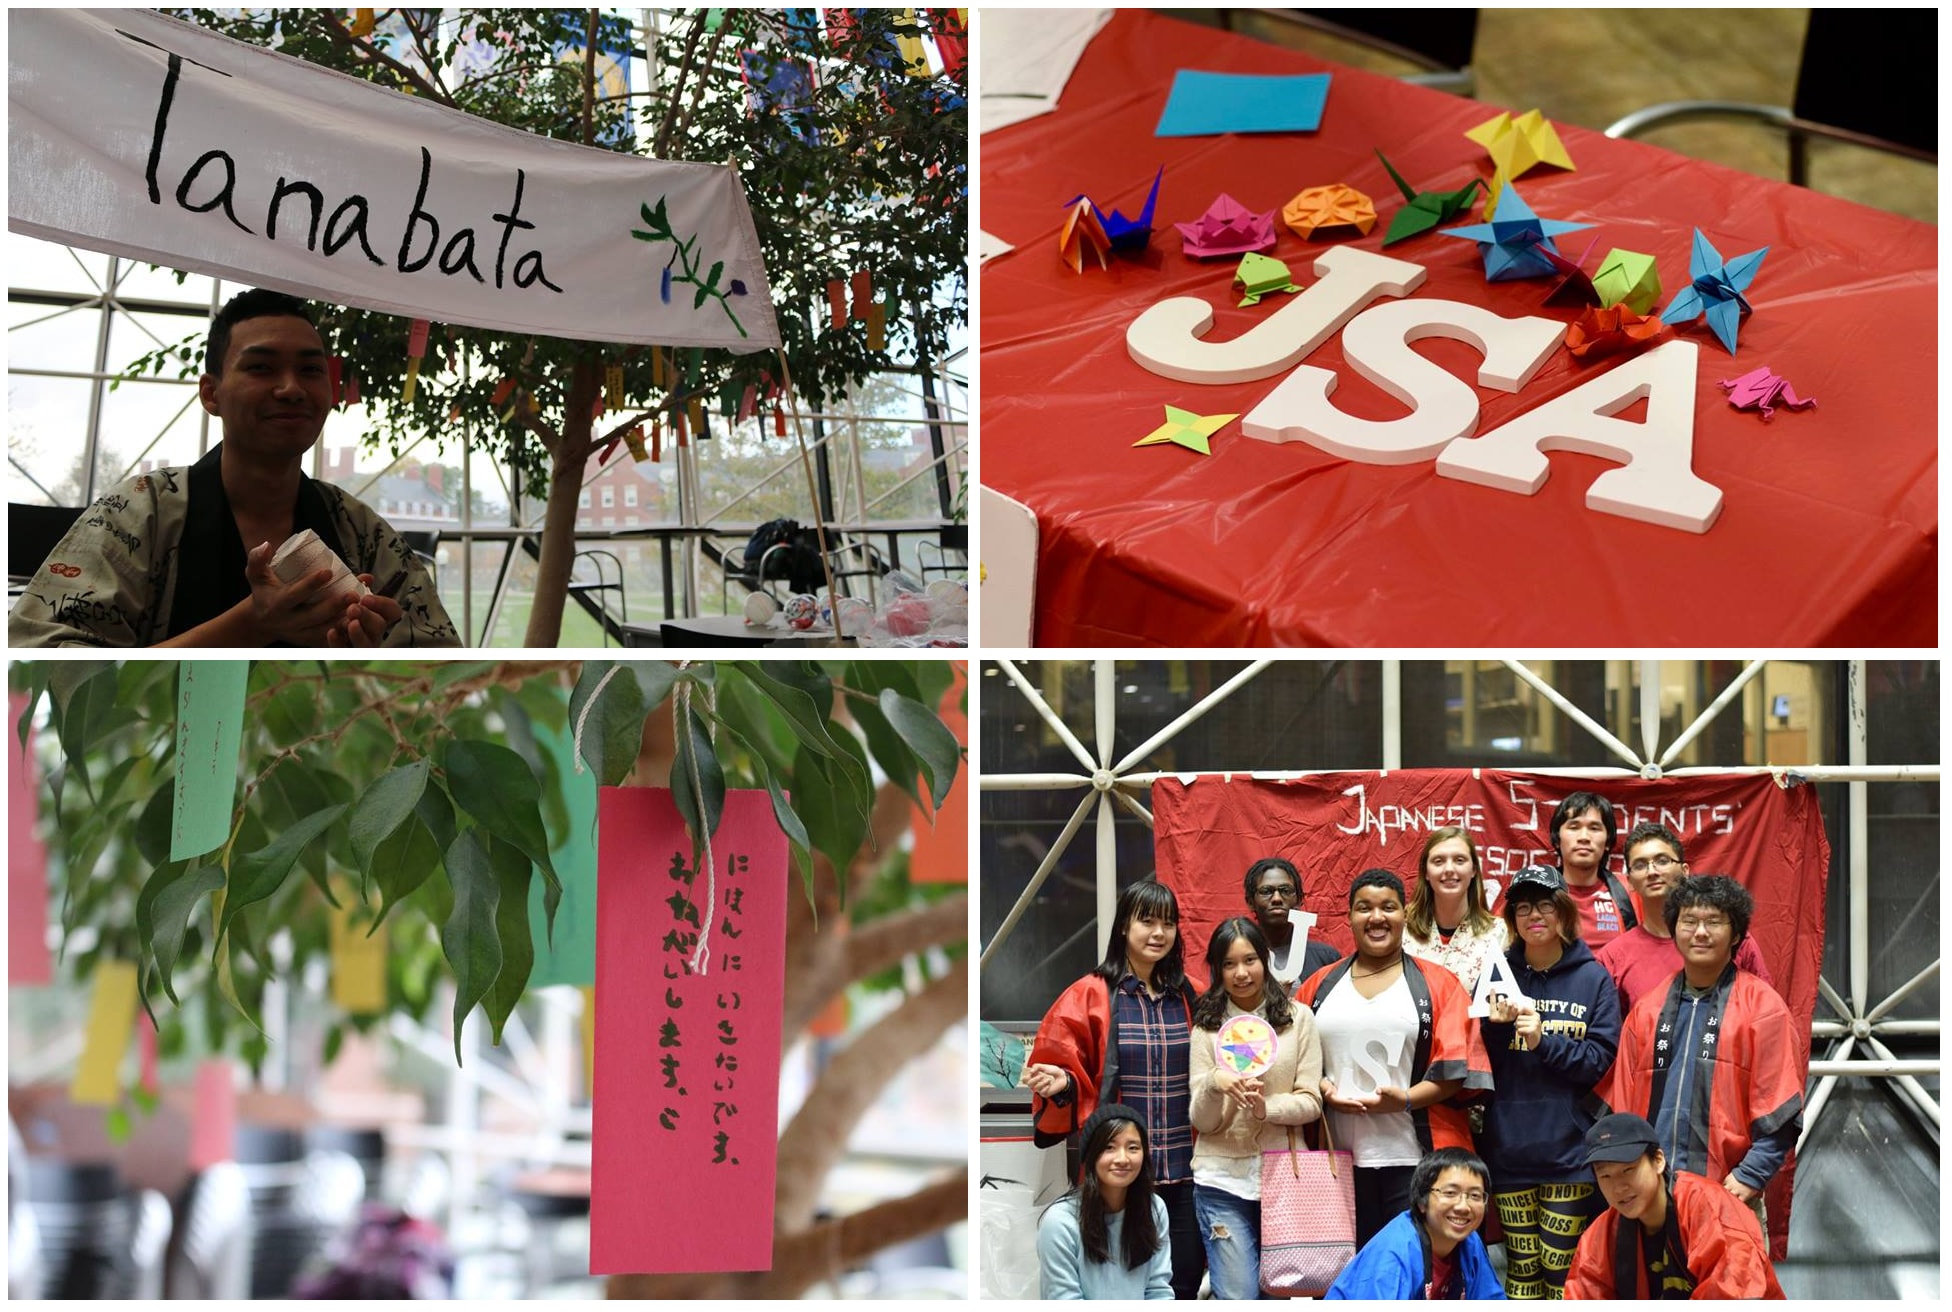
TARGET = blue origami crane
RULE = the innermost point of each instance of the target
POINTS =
(1716, 289)
(1127, 234)
(1514, 241)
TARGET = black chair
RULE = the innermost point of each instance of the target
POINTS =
(586, 591)
(32, 532)
(1864, 79)
(953, 538)
(1437, 41)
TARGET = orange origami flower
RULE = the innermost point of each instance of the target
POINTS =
(1606, 331)
(1336, 206)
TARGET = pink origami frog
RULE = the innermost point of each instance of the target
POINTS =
(1761, 389)
(1227, 228)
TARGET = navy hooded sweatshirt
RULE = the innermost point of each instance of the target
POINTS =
(1534, 1125)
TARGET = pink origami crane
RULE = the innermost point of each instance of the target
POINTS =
(1227, 228)
(1760, 389)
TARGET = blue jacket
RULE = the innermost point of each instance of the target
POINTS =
(1392, 1266)
(1535, 1125)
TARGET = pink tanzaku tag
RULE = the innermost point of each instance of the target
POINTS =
(213, 1119)
(27, 954)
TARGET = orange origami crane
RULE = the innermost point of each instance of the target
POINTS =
(1082, 230)
(1607, 331)
(1334, 206)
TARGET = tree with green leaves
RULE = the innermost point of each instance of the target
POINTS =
(425, 799)
(862, 167)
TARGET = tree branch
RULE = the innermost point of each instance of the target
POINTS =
(369, 53)
(832, 1247)
(677, 91)
(882, 943)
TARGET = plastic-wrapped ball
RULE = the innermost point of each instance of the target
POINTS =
(760, 608)
(908, 616)
(801, 611)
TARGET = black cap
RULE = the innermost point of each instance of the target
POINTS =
(1544, 876)
(1110, 1111)
(1621, 1137)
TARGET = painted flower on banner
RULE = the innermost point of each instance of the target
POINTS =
(684, 255)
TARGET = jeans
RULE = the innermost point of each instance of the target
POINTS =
(1189, 1258)
(1230, 1226)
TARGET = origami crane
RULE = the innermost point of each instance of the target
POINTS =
(1262, 275)
(1123, 233)
(1513, 241)
(1716, 289)
(1517, 145)
(1227, 228)
(1761, 389)
(1081, 231)
(1426, 209)
(1334, 206)
(1609, 330)
(1630, 278)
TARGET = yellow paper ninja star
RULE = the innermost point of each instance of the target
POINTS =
(1336, 206)
(1184, 428)
(1518, 144)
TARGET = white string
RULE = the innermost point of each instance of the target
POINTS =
(703, 955)
(584, 718)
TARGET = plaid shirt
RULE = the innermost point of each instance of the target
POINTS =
(1154, 1037)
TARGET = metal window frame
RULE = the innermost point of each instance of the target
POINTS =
(1858, 1023)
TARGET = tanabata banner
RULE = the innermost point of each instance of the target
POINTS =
(1333, 826)
(145, 137)
(209, 724)
(27, 954)
(690, 983)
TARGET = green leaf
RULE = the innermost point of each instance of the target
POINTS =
(497, 788)
(36, 672)
(608, 725)
(117, 1124)
(437, 813)
(474, 950)
(513, 871)
(897, 762)
(697, 782)
(873, 676)
(831, 801)
(934, 746)
(766, 733)
(656, 678)
(163, 944)
(808, 721)
(453, 672)
(384, 807)
(256, 876)
(403, 862)
(788, 819)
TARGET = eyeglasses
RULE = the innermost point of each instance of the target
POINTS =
(1661, 862)
(1688, 925)
(1450, 1194)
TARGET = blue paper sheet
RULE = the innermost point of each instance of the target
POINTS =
(1208, 104)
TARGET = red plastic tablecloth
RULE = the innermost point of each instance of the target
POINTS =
(1828, 534)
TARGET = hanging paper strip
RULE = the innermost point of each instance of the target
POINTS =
(695, 412)
(862, 287)
(111, 1019)
(634, 439)
(570, 958)
(657, 367)
(27, 889)
(589, 1037)
(877, 327)
(748, 403)
(335, 379)
(358, 962)
(657, 441)
(678, 428)
(613, 386)
(213, 1117)
(362, 22)
(352, 387)
(914, 55)
(691, 968)
(951, 32)
(779, 421)
(209, 721)
(147, 1078)
(941, 854)
(416, 350)
(836, 304)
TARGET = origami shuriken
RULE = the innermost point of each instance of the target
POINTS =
(1262, 275)
(1426, 209)
(1519, 144)
(1511, 241)
(1126, 234)
(1227, 228)
(1716, 289)
(1763, 389)
(1184, 428)
(1082, 230)
(1333, 206)
(1608, 330)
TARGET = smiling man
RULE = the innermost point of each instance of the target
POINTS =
(181, 557)
(1645, 957)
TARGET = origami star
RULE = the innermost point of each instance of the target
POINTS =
(1511, 241)
(1123, 233)
(1227, 228)
(1629, 278)
(1184, 428)
(1426, 209)
(1262, 275)
(1516, 145)
(1716, 289)
(1609, 330)
(1082, 230)
(1761, 389)
(1334, 206)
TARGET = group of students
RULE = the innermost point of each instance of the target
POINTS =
(1655, 1080)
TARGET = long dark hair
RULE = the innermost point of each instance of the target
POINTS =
(1150, 899)
(1140, 1237)
(1210, 1012)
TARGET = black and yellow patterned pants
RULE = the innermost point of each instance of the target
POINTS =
(1542, 1225)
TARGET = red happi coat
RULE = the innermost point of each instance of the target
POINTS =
(1719, 1238)
(1077, 1036)
(1753, 1086)
(1449, 1046)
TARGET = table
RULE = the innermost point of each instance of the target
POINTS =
(1829, 527)
(726, 631)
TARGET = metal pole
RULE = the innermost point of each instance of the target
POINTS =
(93, 443)
(1574, 714)
(1903, 1073)
(1707, 717)
(1393, 715)
(1105, 706)
(1107, 870)
(1029, 782)
(1131, 804)
(1204, 705)
(1044, 868)
(1892, 1068)
(1902, 991)
(1049, 716)
(1860, 847)
(1650, 709)
(1815, 774)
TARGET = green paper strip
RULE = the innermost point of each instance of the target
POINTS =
(209, 723)
(572, 958)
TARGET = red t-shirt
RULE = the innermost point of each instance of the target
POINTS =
(1439, 1275)
(1599, 917)
(1639, 963)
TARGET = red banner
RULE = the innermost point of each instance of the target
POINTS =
(1334, 826)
